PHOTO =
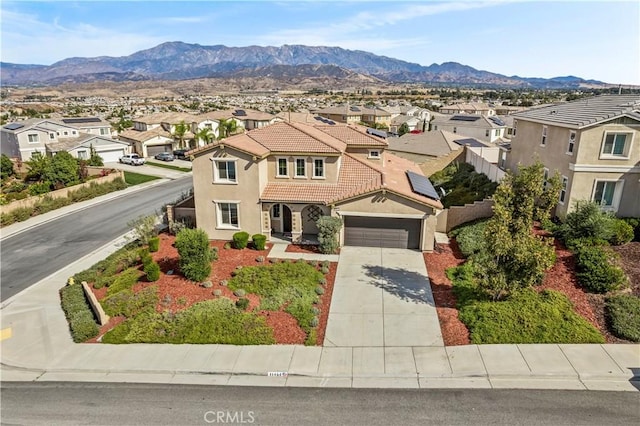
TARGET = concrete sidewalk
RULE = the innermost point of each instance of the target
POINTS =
(36, 345)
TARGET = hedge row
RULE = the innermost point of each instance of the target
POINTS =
(76, 308)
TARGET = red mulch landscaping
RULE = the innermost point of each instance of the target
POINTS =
(177, 293)
(561, 277)
(304, 248)
(454, 332)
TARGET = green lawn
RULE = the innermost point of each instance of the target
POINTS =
(132, 178)
(168, 166)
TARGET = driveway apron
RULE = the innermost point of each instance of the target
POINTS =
(382, 298)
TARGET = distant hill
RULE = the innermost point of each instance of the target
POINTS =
(181, 61)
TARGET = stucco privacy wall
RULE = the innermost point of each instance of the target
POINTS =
(60, 193)
(448, 219)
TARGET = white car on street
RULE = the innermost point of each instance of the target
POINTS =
(133, 159)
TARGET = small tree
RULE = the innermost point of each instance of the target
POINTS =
(6, 167)
(227, 127)
(195, 254)
(179, 132)
(64, 170)
(38, 166)
(95, 160)
(328, 227)
(205, 135)
(144, 229)
(403, 129)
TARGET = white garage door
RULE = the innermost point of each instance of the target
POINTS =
(111, 156)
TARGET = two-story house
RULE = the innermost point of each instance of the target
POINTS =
(283, 177)
(593, 143)
(475, 108)
(353, 114)
(487, 129)
(155, 133)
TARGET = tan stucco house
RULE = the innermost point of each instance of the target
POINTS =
(283, 177)
(595, 145)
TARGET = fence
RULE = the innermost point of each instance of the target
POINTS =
(482, 165)
(60, 193)
(449, 218)
(183, 211)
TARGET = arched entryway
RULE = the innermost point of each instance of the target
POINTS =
(281, 218)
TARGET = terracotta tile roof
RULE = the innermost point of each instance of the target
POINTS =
(353, 135)
(290, 137)
(139, 136)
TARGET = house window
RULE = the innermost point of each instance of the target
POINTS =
(276, 211)
(497, 132)
(615, 145)
(543, 142)
(224, 171)
(318, 168)
(301, 167)
(545, 173)
(486, 133)
(572, 142)
(104, 131)
(435, 128)
(282, 168)
(52, 136)
(607, 194)
(228, 214)
(563, 189)
(73, 132)
(83, 154)
(515, 123)
(374, 153)
(455, 130)
(33, 138)
(208, 126)
(65, 133)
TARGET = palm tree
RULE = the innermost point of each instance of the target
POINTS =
(179, 130)
(227, 127)
(206, 135)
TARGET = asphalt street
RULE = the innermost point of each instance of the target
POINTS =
(36, 253)
(136, 404)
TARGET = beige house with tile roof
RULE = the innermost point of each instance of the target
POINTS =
(282, 178)
(595, 145)
(352, 114)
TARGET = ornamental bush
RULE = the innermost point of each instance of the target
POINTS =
(240, 240)
(76, 308)
(152, 269)
(597, 271)
(621, 232)
(154, 244)
(259, 241)
(195, 254)
(623, 315)
(328, 227)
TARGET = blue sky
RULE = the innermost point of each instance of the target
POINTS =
(589, 39)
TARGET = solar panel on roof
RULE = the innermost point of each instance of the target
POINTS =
(354, 108)
(376, 132)
(497, 121)
(421, 185)
(14, 126)
(81, 120)
(465, 118)
(239, 113)
(474, 143)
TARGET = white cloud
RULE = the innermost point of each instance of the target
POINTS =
(54, 41)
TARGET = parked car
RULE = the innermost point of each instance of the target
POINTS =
(164, 156)
(181, 154)
(133, 159)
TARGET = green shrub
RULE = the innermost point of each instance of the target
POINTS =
(596, 269)
(527, 317)
(195, 254)
(22, 213)
(623, 315)
(125, 281)
(214, 253)
(39, 188)
(635, 224)
(6, 167)
(7, 219)
(586, 221)
(152, 270)
(319, 290)
(210, 322)
(48, 203)
(259, 241)
(242, 304)
(470, 237)
(240, 292)
(154, 244)
(462, 184)
(76, 308)
(240, 240)
(328, 227)
(465, 287)
(312, 338)
(130, 304)
(621, 232)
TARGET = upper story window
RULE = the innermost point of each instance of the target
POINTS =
(224, 171)
(572, 142)
(73, 132)
(563, 189)
(543, 142)
(104, 131)
(33, 138)
(513, 131)
(497, 132)
(65, 133)
(301, 167)
(282, 167)
(374, 153)
(616, 145)
(486, 133)
(318, 168)
(52, 136)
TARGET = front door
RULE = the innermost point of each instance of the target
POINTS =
(286, 219)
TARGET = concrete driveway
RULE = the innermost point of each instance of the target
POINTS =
(382, 298)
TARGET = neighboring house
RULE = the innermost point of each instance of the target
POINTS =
(352, 114)
(413, 123)
(21, 139)
(90, 125)
(252, 119)
(433, 151)
(109, 149)
(475, 108)
(282, 178)
(149, 143)
(487, 129)
(595, 145)
(162, 123)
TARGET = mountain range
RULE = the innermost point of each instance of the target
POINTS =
(183, 61)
